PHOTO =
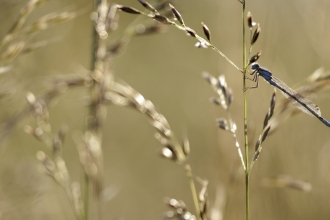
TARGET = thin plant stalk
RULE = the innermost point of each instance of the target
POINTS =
(86, 195)
(193, 191)
(246, 141)
(95, 40)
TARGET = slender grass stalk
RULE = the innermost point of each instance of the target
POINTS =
(193, 191)
(86, 195)
(92, 109)
(246, 141)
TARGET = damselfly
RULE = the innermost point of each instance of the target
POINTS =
(298, 100)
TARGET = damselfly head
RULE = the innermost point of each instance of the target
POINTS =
(255, 66)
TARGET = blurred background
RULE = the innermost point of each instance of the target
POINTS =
(166, 69)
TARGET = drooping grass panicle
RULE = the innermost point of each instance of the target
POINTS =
(253, 38)
(17, 40)
(124, 95)
(202, 43)
(220, 87)
(179, 210)
(225, 97)
(140, 26)
(37, 105)
(20, 20)
(53, 166)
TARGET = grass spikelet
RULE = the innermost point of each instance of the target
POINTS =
(206, 32)
(250, 21)
(160, 18)
(179, 210)
(177, 15)
(148, 6)
(254, 58)
(255, 35)
(225, 98)
(129, 10)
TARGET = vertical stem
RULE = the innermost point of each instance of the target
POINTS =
(193, 191)
(92, 110)
(86, 196)
(246, 143)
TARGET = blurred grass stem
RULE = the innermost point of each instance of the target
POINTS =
(92, 110)
(193, 191)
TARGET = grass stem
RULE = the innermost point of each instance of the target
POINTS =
(95, 40)
(246, 142)
(193, 191)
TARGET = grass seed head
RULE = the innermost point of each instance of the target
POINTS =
(148, 6)
(129, 10)
(206, 32)
(255, 35)
(177, 15)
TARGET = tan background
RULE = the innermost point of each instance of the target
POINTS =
(167, 70)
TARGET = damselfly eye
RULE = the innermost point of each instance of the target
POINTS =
(255, 66)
